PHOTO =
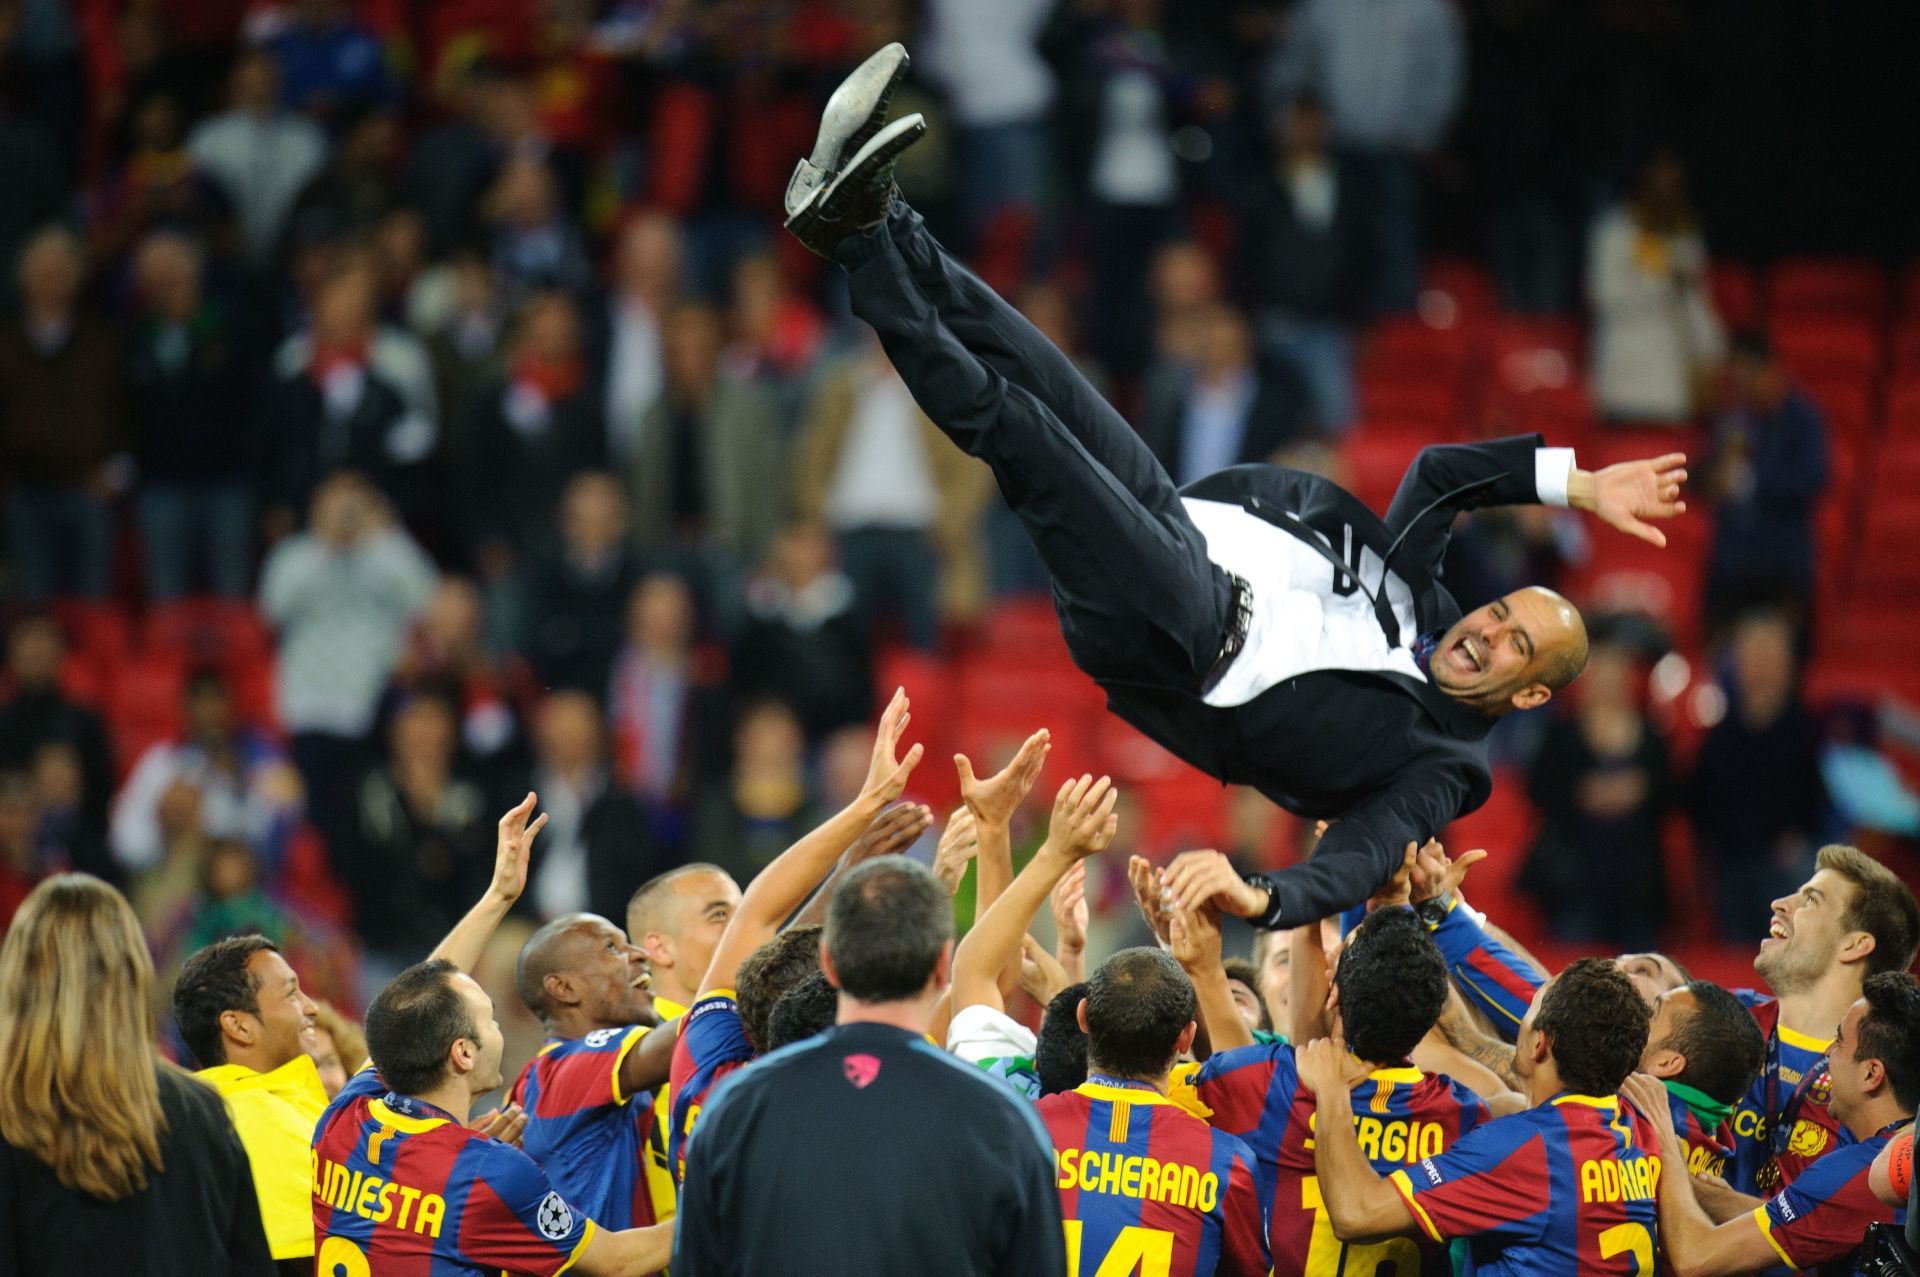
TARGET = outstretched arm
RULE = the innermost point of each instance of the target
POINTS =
(1083, 824)
(514, 844)
(779, 888)
(893, 831)
(1196, 947)
(992, 803)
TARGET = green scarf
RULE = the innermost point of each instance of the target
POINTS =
(1706, 1110)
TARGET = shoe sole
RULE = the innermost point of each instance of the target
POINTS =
(882, 148)
(851, 119)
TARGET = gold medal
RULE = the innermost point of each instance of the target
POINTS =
(1768, 1178)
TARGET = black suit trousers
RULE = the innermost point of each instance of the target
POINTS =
(1138, 599)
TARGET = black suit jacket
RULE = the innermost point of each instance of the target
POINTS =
(1392, 757)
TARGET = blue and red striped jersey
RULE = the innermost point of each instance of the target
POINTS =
(591, 1138)
(1817, 1221)
(1400, 1116)
(712, 1044)
(1783, 1117)
(1488, 974)
(1145, 1186)
(1708, 1151)
(402, 1189)
(1567, 1187)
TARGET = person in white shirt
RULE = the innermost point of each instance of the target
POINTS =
(259, 155)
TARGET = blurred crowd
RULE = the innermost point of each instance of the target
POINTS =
(458, 338)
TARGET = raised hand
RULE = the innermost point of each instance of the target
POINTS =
(1629, 493)
(886, 772)
(959, 841)
(1196, 878)
(1083, 822)
(1195, 938)
(1041, 975)
(1322, 1065)
(1649, 1095)
(513, 848)
(893, 830)
(1069, 904)
(1435, 876)
(1149, 892)
(994, 800)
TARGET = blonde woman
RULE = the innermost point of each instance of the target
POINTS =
(111, 1160)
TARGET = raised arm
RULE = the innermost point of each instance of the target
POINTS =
(1493, 977)
(512, 846)
(1083, 824)
(1196, 947)
(779, 888)
(992, 803)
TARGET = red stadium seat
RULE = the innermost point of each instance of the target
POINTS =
(212, 632)
(1377, 457)
(1403, 349)
(99, 631)
(1457, 294)
(1896, 479)
(1827, 286)
(1903, 406)
(1736, 293)
(1830, 347)
(144, 707)
(1846, 403)
(1539, 352)
(1433, 406)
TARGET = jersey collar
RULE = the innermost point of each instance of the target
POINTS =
(1608, 1102)
(1801, 1040)
(405, 1113)
(1099, 1086)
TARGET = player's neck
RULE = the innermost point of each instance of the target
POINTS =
(915, 1015)
(258, 1061)
(1817, 1010)
(1876, 1115)
(452, 1098)
(1097, 1070)
(1544, 1083)
(570, 1024)
(667, 984)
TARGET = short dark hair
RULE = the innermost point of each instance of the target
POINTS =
(886, 926)
(212, 982)
(414, 1022)
(648, 895)
(1881, 905)
(1392, 982)
(1060, 1052)
(1244, 972)
(769, 972)
(1596, 1023)
(1721, 1041)
(1890, 1033)
(807, 1008)
(1138, 1002)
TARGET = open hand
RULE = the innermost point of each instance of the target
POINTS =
(1041, 974)
(886, 772)
(894, 830)
(1206, 877)
(513, 848)
(1322, 1064)
(959, 843)
(1629, 493)
(1069, 904)
(1649, 1095)
(1149, 891)
(994, 800)
(1195, 938)
(1435, 876)
(1083, 822)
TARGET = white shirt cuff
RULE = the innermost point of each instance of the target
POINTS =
(979, 1033)
(1552, 469)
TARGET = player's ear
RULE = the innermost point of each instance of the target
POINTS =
(826, 966)
(559, 989)
(1532, 696)
(1663, 1062)
(942, 966)
(1185, 1044)
(1080, 1015)
(1856, 946)
(237, 1026)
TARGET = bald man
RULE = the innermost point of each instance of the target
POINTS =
(1261, 623)
(591, 1123)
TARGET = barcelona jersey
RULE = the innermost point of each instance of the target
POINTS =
(1400, 1115)
(591, 1138)
(1708, 1151)
(1488, 974)
(1783, 1118)
(403, 1190)
(1817, 1221)
(1147, 1187)
(711, 1046)
(1567, 1187)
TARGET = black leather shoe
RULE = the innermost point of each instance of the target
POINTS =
(860, 195)
(854, 114)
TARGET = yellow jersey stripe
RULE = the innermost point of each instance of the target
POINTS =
(1766, 1231)
(619, 1057)
(1404, 1187)
(579, 1249)
(400, 1121)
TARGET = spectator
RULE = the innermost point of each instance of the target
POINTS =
(330, 61)
(1183, 285)
(763, 804)
(903, 503)
(62, 426)
(533, 432)
(191, 438)
(774, 332)
(454, 160)
(466, 344)
(422, 849)
(1391, 73)
(342, 595)
(709, 470)
(1656, 339)
(36, 191)
(246, 788)
(258, 154)
(67, 838)
(1767, 473)
(986, 54)
(348, 197)
(155, 185)
(1758, 802)
(341, 398)
(1602, 785)
(338, 1048)
(19, 845)
(1225, 410)
(39, 713)
(662, 706)
(1867, 789)
(536, 243)
(1303, 263)
(624, 331)
(597, 849)
(448, 652)
(122, 1164)
(806, 640)
(578, 595)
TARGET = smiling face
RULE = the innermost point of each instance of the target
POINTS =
(610, 974)
(680, 938)
(1851, 1075)
(1513, 653)
(285, 1014)
(1807, 933)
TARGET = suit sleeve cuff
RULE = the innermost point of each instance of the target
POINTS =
(1552, 468)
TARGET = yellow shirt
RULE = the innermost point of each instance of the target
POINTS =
(274, 1114)
(660, 1185)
